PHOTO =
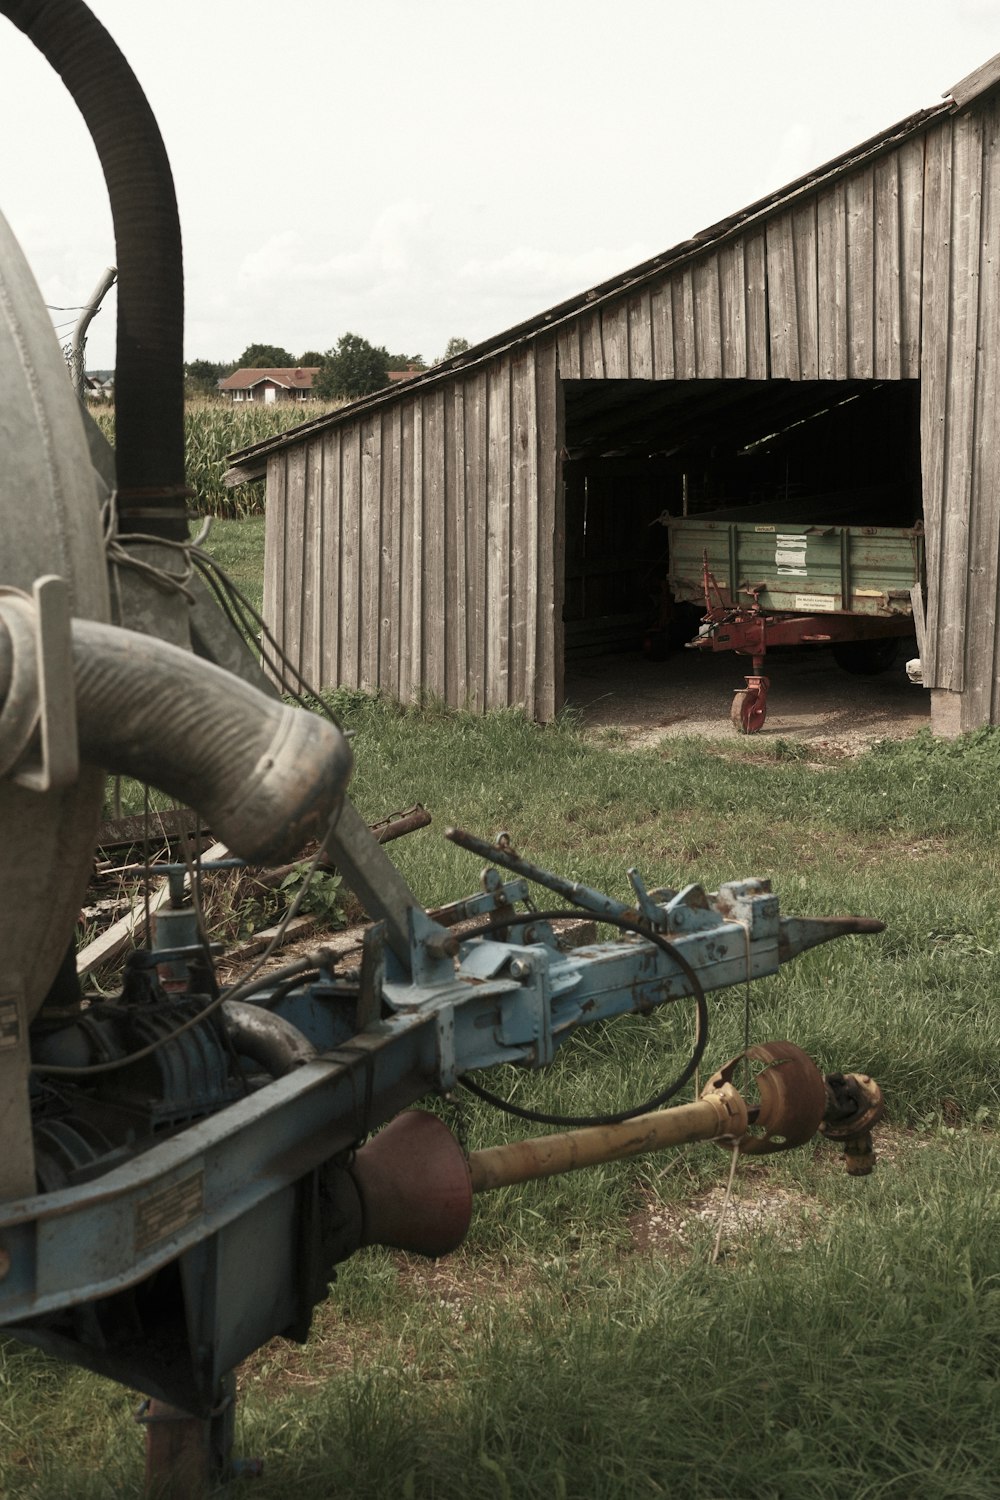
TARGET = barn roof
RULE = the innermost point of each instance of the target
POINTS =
(249, 462)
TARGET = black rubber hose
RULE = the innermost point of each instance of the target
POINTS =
(501, 922)
(149, 369)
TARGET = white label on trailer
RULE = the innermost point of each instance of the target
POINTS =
(790, 553)
(815, 604)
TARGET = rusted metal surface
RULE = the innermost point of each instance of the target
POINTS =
(854, 1107)
(749, 707)
(799, 933)
(398, 824)
(792, 1096)
(794, 1103)
(720, 1114)
(749, 631)
(415, 1187)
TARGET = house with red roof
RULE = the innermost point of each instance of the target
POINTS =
(270, 385)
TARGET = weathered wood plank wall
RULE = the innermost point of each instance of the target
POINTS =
(983, 682)
(829, 289)
(413, 550)
(960, 424)
(418, 549)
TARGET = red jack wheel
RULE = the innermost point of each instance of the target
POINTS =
(749, 709)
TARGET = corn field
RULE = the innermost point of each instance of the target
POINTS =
(214, 428)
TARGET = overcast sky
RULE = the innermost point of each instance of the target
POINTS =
(411, 170)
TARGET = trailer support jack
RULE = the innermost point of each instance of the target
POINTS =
(749, 708)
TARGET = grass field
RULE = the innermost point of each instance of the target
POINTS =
(581, 1344)
(238, 547)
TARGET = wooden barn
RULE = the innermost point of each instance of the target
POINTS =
(839, 338)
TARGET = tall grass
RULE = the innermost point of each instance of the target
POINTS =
(862, 1359)
(215, 427)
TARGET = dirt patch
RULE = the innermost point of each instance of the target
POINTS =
(756, 1206)
(811, 700)
(671, 1230)
(457, 1283)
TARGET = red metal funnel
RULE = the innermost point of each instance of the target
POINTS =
(416, 1192)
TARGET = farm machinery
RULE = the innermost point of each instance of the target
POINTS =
(777, 575)
(185, 1164)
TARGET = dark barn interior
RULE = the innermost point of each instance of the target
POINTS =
(637, 449)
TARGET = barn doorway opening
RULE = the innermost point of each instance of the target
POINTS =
(845, 452)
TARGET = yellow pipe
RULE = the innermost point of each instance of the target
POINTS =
(722, 1115)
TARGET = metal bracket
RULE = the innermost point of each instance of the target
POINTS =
(432, 951)
(369, 1007)
(447, 1069)
(38, 722)
(650, 909)
(527, 1015)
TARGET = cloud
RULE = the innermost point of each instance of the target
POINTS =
(394, 242)
(978, 10)
(411, 279)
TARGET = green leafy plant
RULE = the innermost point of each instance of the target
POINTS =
(321, 893)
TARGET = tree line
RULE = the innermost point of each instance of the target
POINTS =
(352, 368)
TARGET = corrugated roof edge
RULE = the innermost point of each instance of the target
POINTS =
(246, 463)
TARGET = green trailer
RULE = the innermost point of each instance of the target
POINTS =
(787, 575)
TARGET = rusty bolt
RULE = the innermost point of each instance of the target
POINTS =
(445, 946)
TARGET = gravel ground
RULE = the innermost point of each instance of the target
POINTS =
(810, 699)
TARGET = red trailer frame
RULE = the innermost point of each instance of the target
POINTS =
(750, 631)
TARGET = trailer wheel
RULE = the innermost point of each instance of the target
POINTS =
(749, 710)
(866, 658)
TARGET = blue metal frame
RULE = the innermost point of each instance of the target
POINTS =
(497, 1001)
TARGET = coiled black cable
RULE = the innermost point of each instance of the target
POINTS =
(541, 1117)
